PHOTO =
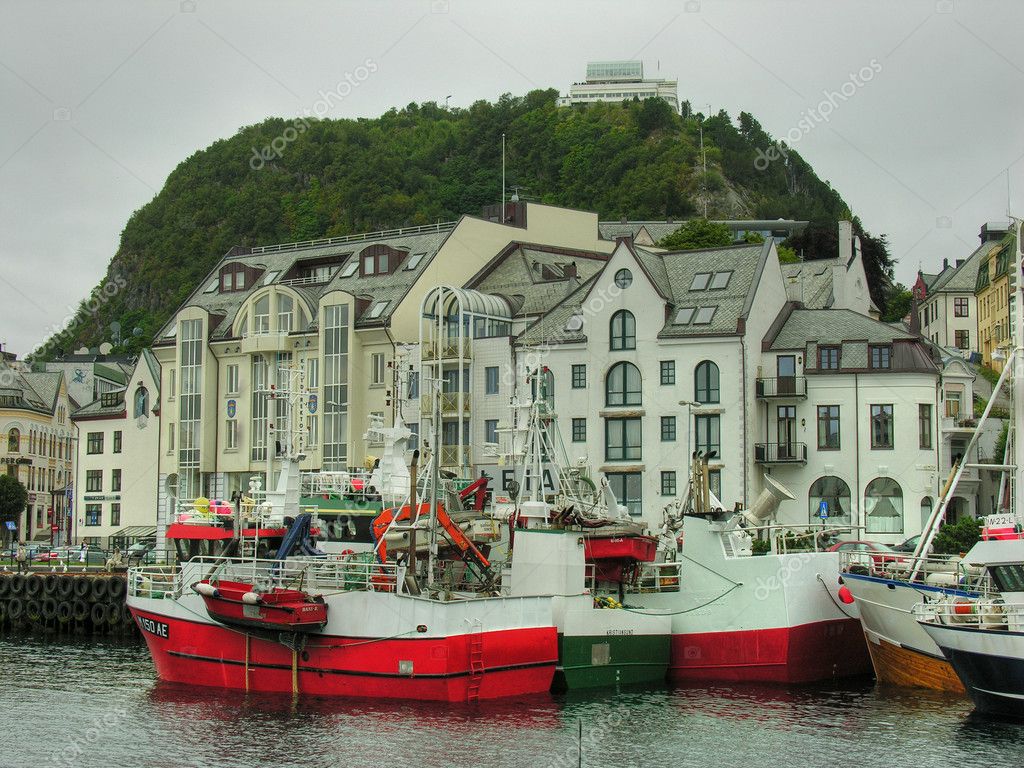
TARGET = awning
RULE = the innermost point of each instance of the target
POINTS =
(135, 532)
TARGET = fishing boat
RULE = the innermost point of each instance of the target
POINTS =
(376, 629)
(902, 652)
(739, 617)
(586, 550)
(982, 636)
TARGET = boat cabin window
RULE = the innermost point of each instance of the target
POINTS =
(1008, 578)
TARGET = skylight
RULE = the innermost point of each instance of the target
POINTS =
(704, 315)
(720, 281)
(212, 287)
(684, 315)
(271, 276)
(378, 309)
(574, 323)
(415, 260)
(700, 281)
(351, 268)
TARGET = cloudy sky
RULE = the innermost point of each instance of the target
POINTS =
(100, 100)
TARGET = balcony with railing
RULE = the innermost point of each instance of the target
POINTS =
(780, 453)
(450, 455)
(450, 349)
(782, 387)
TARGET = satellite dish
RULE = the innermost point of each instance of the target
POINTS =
(82, 351)
(105, 348)
(137, 331)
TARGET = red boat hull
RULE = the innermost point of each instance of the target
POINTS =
(803, 654)
(514, 662)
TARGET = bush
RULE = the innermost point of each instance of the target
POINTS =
(954, 538)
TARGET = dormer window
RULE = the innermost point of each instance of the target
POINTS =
(380, 259)
(235, 277)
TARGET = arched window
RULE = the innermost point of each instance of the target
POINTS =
(927, 505)
(836, 494)
(622, 385)
(883, 506)
(623, 330)
(285, 305)
(261, 315)
(706, 387)
(14, 441)
(141, 402)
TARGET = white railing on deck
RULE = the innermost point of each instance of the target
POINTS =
(314, 575)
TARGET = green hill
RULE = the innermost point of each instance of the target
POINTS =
(286, 180)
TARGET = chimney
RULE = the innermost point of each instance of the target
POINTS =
(945, 264)
(959, 262)
(845, 242)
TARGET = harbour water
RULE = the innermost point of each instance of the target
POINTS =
(97, 703)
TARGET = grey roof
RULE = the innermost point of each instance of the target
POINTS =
(553, 327)
(97, 408)
(37, 391)
(833, 326)
(390, 287)
(810, 282)
(609, 230)
(745, 263)
(962, 279)
(533, 277)
(673, 274)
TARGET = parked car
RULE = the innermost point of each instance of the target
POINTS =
(909, 545)
(140, 552)
(869, 552)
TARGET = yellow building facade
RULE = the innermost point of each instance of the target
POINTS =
(993, 290)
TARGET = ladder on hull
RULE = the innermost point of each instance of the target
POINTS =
(476, 661)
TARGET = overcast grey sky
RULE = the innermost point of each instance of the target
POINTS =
(100, 100)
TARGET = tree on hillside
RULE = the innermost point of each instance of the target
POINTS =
(13, 498)
(897, 304)
(697, 233)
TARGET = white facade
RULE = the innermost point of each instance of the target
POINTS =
(615, 81)
(117, 455)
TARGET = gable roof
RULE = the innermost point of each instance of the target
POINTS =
(535, 278)
(810, 282)
(34, 390)
(962, 279)
(275, 261)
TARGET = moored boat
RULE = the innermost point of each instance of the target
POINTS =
(982, 636)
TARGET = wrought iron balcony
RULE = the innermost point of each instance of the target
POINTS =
(782, 387)
(780, 453)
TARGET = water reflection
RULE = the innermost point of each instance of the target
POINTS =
(54, 692)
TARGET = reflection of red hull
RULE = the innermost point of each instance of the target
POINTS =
(512, 662)
(284, 609)
(807, 653)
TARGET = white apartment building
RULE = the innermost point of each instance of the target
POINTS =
(341, 309)
(849, 417)
(616, 81)
(115, 489)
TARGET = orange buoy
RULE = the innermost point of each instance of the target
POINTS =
(845, 594)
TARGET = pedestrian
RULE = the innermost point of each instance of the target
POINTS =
(21, 558)
(82, 553)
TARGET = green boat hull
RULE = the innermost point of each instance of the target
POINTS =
(597, 661)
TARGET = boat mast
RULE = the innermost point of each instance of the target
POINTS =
(1017, 398)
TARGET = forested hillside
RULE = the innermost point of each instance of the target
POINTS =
(287, 180)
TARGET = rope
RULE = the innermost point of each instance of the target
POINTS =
(685, 610)
(829, 593)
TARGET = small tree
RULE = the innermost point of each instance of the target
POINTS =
(697, 233)
(13, 498)
(954, 538)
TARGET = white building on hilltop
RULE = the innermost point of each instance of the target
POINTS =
(615, 81)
